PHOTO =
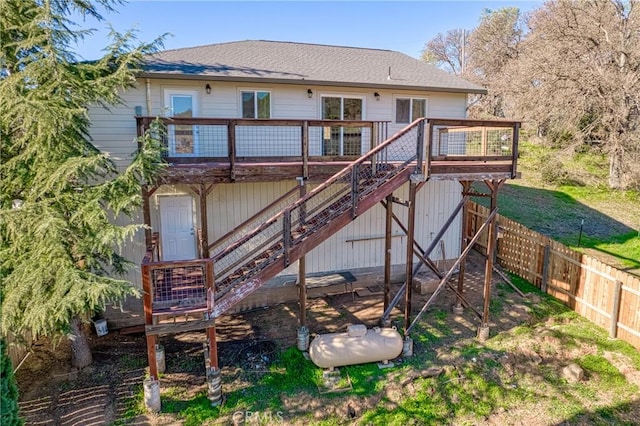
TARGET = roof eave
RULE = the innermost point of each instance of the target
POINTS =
(204, 77)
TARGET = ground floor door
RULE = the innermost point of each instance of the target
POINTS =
(177, 231)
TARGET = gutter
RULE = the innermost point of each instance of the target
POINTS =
(192, 77)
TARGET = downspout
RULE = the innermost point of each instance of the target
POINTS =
(148, 95)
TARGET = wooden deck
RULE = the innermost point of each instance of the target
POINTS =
(234, 150)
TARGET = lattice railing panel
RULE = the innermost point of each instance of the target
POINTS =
(178, 285)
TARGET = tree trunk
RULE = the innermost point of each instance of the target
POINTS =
(80, 351)
(616, 172)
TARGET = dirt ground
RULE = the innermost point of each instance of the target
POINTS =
(53, 394)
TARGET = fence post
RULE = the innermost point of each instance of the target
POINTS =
(615, 313)
(545, 268)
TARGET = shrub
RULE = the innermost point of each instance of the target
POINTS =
(9, 415)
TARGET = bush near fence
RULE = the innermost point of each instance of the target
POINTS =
(606, 296)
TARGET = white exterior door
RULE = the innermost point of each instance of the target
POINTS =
(183, 139)
(177, 231)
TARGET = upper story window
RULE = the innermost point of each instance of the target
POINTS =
(409, 109)
(256, 104)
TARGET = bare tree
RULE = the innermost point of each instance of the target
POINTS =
(448, 51)
(493, 45)
(580, 72)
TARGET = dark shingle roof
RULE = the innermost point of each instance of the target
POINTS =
(287, 62)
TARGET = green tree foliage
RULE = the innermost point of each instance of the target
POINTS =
(59, 195)
(9, 412)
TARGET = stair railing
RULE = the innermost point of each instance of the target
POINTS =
(276, 237)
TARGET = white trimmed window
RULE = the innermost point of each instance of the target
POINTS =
(409, 109)
(255, 104)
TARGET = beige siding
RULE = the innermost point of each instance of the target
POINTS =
(358, 245)
(114, 130)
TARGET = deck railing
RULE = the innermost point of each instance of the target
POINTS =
(488, 145)
(230, 140)
(182, 286)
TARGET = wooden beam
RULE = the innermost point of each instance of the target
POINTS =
(178, 327)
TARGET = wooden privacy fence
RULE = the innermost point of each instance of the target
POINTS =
(606, 296)
(18, 349)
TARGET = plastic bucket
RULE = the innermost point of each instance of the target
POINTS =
(101, 327)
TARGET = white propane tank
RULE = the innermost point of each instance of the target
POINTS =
(358, 345)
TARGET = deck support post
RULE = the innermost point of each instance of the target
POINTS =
(466, 187)
(204, 223)
(387, 250)
(213, 346)
(147, 192)
(414, 181)
(494, 186)
(151, 355)
(302, 266)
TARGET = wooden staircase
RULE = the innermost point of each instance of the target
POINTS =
(259, 255)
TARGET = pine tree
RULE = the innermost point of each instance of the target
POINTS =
(9, 412)
(59, 195)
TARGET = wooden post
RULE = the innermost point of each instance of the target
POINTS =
(305, 149)
(286, 236)
(204, 221)
(146, 214)
(514, 150)
(302, 265)
(409, 263)
(545, 268)
(615, 312)
(213, 346)
(151, 356)
(387, 250)
(148, 319)
(354, 190)
(466, 187)
(302, 287)
(231, 140)
(420, 147)
(211, 331)
(483, 331)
